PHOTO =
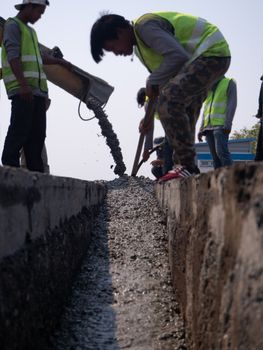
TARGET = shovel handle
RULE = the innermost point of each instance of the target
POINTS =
(148, 116)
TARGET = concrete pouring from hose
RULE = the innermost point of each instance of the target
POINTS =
(91, 90)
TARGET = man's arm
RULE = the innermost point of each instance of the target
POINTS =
(49, 59)
(11, 41)
(155, 34)
(231, 105)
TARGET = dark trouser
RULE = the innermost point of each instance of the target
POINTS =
(218, 144)
(181, 100)
(167, 156)
(157, 171)
(259, 150)
(27, 130)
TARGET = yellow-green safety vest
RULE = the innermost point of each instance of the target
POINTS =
(215, 105)
(31, 61)
(196, 35)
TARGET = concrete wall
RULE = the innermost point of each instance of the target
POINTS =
(45, 225)
(215, 226)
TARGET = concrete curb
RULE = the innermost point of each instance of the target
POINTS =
(215, 228)
(45, 226)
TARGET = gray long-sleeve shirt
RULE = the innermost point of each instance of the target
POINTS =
(230, 109)
(158, 33)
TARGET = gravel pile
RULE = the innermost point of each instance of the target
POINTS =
(123, 297)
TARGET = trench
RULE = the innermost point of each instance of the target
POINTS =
(123, 297)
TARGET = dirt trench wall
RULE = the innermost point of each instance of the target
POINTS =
(215, 227)
(45, 226)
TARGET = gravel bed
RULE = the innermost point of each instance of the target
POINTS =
(123, 297)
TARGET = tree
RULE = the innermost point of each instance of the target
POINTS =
(248, 133)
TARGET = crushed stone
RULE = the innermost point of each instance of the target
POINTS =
(123, 297)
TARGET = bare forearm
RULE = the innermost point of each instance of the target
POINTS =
(16, 66)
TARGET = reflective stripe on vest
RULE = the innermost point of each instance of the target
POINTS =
(215, 105)
(196, 35)
(31, 59)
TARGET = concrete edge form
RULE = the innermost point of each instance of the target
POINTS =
(215, 228)
(45, 226)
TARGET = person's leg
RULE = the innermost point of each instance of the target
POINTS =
(18, 131)
(212, 147)
(193, 111)
(157, 171)
(221, 143)
(168, 157)
(35, 142)
(189, 87)
(259, 149)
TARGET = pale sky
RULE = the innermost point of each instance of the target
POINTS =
(76, 148)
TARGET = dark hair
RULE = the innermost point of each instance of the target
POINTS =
(105, 28)
(141, 95)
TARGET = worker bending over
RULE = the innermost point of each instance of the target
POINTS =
(185, 56)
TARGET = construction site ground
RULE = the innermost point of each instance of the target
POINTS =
(123, 297)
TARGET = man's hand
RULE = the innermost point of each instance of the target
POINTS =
(157, 162)
(152, 91)
(144, 129)
(25, 93)
(226, 131)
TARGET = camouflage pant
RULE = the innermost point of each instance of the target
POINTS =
(180, 102)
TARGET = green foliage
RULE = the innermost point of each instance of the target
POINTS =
(248, 133)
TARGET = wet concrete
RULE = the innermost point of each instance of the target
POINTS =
(123, 297)
(111, 138)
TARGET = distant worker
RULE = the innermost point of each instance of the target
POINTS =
(185, 56)
(219, 110)
(259, 150)
(26, 86)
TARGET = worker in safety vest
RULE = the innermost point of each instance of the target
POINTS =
(26, 85)
(219, 110)
(185, 56)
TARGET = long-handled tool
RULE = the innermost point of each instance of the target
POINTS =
(150, 152)
(147, 119)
